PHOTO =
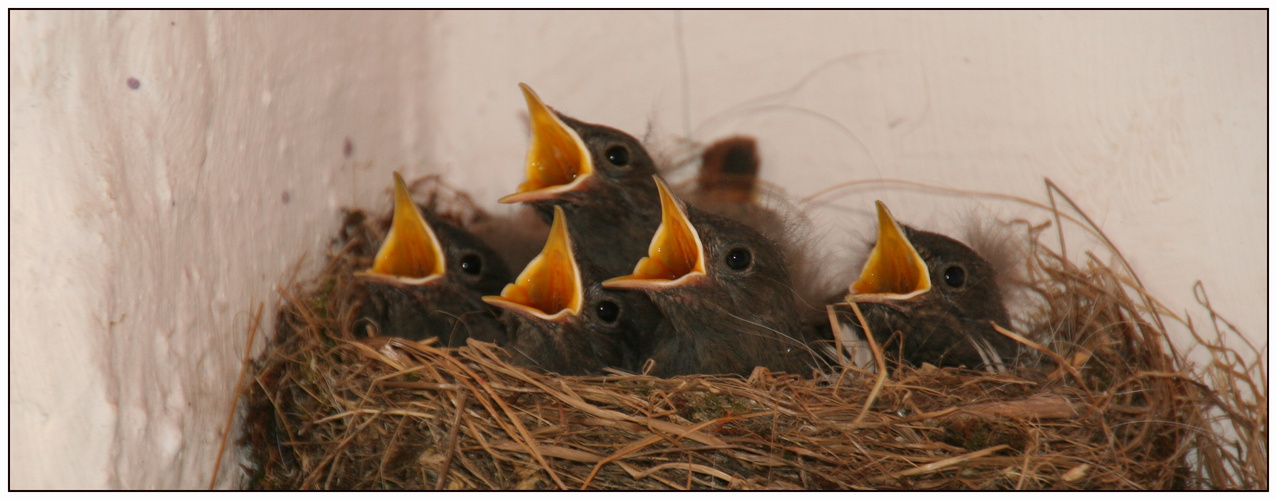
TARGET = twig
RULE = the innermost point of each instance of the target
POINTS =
(1037, 407)
(1040, 348)
(452, 440)
(941, 464)
(836, 326)
(243, 368)
(332, 469)
(640, 444)
(878, 356)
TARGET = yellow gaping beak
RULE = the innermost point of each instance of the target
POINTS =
(550, 287)
(675, 256)
(411, 253)
(894, 270)
(558, 161)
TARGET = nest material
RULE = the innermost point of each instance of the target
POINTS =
(1114, 406)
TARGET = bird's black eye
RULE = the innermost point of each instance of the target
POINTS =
(955, 276)
(739, 259)
(471, 264)
(618, 155)
(608, 311)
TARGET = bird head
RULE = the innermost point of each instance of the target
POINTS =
(568, 157)
(565, 321)
(907, 264)
(895, 270)
(411, 254)
(937, 292)
(675, 256)
(420, 250)
(715, 258)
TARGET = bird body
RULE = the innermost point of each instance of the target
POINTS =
(928, 298)
(599, 176)
(726, 292)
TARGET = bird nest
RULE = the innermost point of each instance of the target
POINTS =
(1112, 404)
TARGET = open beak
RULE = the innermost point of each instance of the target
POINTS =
(558, 161)
(674, 258)
(550, 287)
(894, 270)
(411, 253)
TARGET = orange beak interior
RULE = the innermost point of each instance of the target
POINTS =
(411, 252)
(550, 287)
(675, 254)
(894, 270)
(557, 159)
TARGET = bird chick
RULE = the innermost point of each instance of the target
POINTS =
(726, 291)
(928, 298)
(728, 185)
(599, 175)
(560, 319)
(428, 278)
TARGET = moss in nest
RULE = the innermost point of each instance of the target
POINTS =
(978, 435)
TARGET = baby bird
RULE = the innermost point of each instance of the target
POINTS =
(929, 299)
(728, 185)
(427, 280)
(599, 175)
(726, 291)
(560, 319)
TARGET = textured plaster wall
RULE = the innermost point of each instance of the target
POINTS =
(146, 223)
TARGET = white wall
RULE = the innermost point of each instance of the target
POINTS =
(146, 223)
